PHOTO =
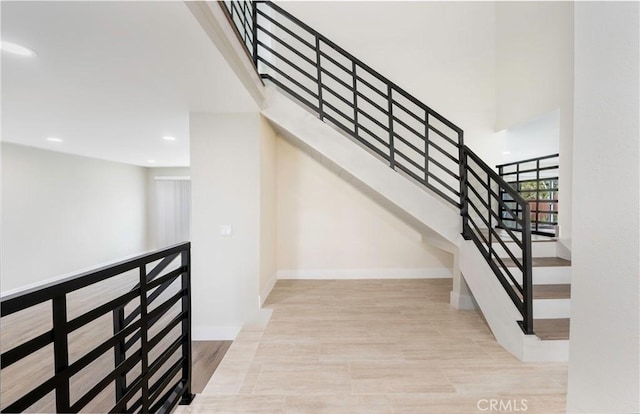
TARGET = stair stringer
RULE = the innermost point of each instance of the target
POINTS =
(440, 222)
(500, 312)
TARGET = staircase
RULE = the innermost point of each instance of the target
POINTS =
(413, 161)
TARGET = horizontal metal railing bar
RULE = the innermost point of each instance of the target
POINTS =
(289, 47)
(505, 284)
(30, 297)
(339, 112)
(442, 151)
(158, 268)
(508, 250)
(288, 62)
(154, 316)
(337, 79)
(95, 313)
(164, 356)
(428, 185)
(412, 162)
(504, 266)
(408, 111)
(553, 167)
(534, 180)
(374, 136)
(290, 91)
(371, 86)
(409, 128)
(443, 135)
(156, 389)
(509, 232)
(337, 95)
(289, 78)
(443, 183)
(384, 111)
(501, 183)
(480, 215)
(105, 346)
(106, 381)
(486, 206)
(171, 276)
(20, 351)
(167, 280)
(409, 144)
(285, 29)
(335, 62)
(27, 400)
(165, 331)
(528, 160)
(443, 168)
(375, 121)
(178, 390)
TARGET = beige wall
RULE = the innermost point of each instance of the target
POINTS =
(326, 227)
(268, 208)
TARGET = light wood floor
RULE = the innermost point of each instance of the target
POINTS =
(374, 346)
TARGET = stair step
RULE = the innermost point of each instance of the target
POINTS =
(541, 262)
(557, 291)
(551, 329)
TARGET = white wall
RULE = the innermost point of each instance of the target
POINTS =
(534, 76)
(268, 209)
(536, 138)
(151, 201)
(443, 53)
(604, 364)
(225, 184)
(62, 213)
(327, 228)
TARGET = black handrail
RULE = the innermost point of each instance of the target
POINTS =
(159, 395)
(410, 136)
(536, 180)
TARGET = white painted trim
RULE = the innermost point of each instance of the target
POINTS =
(266, 290)
(324, 274)
(214, 333)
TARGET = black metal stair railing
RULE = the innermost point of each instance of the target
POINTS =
(536, 180)
(151, 346)
(392, 124)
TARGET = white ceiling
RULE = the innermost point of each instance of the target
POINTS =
(111, 79)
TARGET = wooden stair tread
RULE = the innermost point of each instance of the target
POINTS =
(551, 329)
(541, 262)
(560, 291)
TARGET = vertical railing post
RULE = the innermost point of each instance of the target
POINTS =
(61, 353)
(144, 339)
(464, 187)
(501, 201)
(392, 150)
(319, 75)
(527, 274)
(355, 98)
(119, 351)
(489, 221)
(426, 146)
(187, 397)
(254, 28)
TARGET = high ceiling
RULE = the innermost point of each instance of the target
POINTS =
(111, 79)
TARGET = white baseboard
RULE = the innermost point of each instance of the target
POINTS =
(214, 333)
(322, 274)
(462, 302)
(264, 294)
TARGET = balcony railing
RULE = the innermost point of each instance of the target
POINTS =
(536, 180)
(137, 310)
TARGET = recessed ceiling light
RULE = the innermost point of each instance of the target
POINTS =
(54, 139)
(169, 138)
(16, 49)
(506, 152)
(151, 161)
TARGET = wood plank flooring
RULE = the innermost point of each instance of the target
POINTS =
(373, 346)
(552, 329)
